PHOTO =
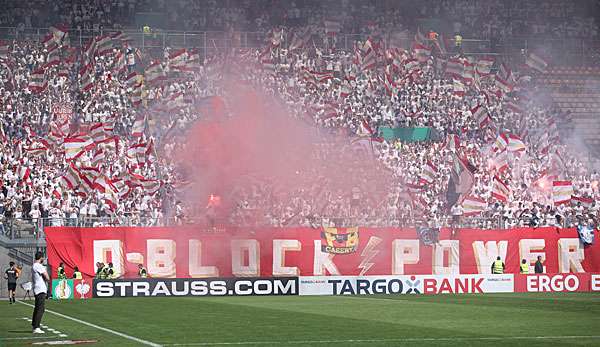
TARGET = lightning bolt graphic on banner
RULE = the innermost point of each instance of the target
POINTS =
(368, 253)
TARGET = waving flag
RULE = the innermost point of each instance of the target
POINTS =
(473, 206)
(484, 66)
(536, 62)
(421, 52)
(59, 32)
(75, 146)
(501, 142)
(332, 27)
(481, 115)
(562, 192)
(86, 78)
(178, 59)
(137, 130)
(462, 177)
(454, 68)
(515, 144)
(3, 50)
(154, 73)
(428, 174)
(37, 81)
(500, 190)
(71, 177)
(585, 202)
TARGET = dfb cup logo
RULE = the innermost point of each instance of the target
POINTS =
(64, 290)
(82, 289)
(339, 240)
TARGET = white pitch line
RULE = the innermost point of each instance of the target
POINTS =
(28, 338)
(416, 339)
(132, 338)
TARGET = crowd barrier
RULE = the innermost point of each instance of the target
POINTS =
(192, 252)
(327, 285)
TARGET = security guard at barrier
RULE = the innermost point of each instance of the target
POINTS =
(77, 274)
(62, 275)
(110, 272)
(524, 269)
(99, 271)
(498, 266)
(142, 271)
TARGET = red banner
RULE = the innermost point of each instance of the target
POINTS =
(195, 252)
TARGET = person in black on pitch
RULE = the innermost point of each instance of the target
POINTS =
(39, 278)
(11, 275)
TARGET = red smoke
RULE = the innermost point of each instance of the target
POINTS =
(259, 140)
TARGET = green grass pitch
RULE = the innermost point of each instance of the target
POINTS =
(443, 320)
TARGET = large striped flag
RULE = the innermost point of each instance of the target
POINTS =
(59, 33)
(501, 161)
(332, 27)
(37, 81)
(3, 49)
(421, 52)
(178, 59)
(501, 142)
(536, 62)
(481, 115)
(585, 202)
(562, 192)
(484, 66)
(453, 143)
(75, 146)
(515, 144)
(70, 178)
(455, 68)
(137, 130)
(154, 73)
(462, 179)
(428, 174)
(473, 206)
(500, 190)
(104, 44)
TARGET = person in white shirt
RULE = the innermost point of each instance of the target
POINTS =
(39, 278)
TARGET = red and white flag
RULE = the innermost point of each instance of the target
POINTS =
(428, 173)
(139, 125)
(453, 143)
(454, 68)
(421, 52)
(501, 142)
(515, 144)
(154, 73)
(75, 146)
(536, 62)
(104, 44)
(3, 50)
(585, 202)
(473, 206)
(178, 59)
(332, 27)
(484, 66)
(59, 32)
(562, 191)
(500, 190)
(86, 77)
(37, 81)
(481, 115)
(70, 179)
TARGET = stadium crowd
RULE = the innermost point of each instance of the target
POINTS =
(89, 134)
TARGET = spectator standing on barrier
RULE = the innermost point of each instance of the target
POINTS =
(39, 278)
(498, 266)
(11, 275)
(142, 271)
(524, 268)
(539, 266)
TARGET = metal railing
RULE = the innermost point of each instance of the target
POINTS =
(33, 230)
(209, 42)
